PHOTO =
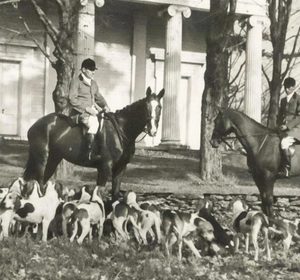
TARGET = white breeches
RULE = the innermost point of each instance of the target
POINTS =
(93, 124)
(287, 142)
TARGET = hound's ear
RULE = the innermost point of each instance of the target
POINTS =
(149, 91)
(126, 195)
(17, 204)
(161, 93)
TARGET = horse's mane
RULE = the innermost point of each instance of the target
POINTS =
(252, 121)
(130, 107)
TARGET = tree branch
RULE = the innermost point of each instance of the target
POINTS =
(289, 61)
(51, 29)
(9, 2)
(32, 37)
(266, 75)
(238, 73)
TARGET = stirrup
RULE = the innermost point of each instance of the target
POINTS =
(284, 173)
(93, 157)
(287, 172)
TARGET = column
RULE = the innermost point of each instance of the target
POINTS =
(172, 75)
(253, 75)
(139, 57)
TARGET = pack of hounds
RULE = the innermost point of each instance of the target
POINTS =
(52, 211)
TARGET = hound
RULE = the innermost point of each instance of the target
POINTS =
(181, 226)
(221, 236)
(17, 185)
(87, 214)
(83, 195)
(8, 207)
(11, 202)
(40, 210)
(31, 191)
(287, 229)
(249, 223)
(120, 215)
(146, 218)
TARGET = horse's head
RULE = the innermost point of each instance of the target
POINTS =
(153, 111)
(223, 127)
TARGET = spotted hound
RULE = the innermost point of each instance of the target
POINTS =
(181, 226)
(248, 223)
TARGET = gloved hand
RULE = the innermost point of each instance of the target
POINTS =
(106, 109)
(283, 127)
(91, 111)
(84, 117)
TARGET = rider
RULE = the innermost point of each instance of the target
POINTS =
(87, 102)
(288, 121)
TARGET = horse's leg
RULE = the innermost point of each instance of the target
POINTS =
(53, 161)
(265, 186)
(116, 185)
(103, 173)
(36, 164)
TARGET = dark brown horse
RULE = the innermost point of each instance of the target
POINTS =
(263, 151)
(53, 138)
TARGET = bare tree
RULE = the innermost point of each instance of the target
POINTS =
(63, 37)
(63, 34)
(220, 27)
(279, 14)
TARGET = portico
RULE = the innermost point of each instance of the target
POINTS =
(171, 62)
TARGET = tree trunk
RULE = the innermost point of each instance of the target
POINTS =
(279, 14)
(63, 38)
(216, 83)
(65, 72)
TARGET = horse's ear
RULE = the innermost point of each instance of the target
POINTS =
(161, 93)
(220, 110)
(149, 91)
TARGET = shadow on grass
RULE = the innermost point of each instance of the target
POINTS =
(14, 155)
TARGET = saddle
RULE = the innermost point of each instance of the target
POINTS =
(74, 120)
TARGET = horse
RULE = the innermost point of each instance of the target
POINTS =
(54, 137)
(262, 145)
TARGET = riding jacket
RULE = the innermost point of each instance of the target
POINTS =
(83, 95)
(289, 115)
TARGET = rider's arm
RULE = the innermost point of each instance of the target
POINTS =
(99, 99)
(73, 96)
(296, 120)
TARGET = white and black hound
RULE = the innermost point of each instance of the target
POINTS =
(181, 226)
(249, 223)
(40, 210)
(87, 214)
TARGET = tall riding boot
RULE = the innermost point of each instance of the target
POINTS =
(92, 147)
(288, 158)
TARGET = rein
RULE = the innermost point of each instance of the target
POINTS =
(120, 133)
(223, 139)
(143, 137)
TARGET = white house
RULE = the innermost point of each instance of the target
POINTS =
(136, 44)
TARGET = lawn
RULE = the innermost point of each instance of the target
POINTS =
(149, 172)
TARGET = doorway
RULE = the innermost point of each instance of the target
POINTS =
(9, 97)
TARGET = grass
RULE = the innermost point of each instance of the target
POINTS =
(149, 171)
(22, 258)
(157, 172)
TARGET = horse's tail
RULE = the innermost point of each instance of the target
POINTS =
(30, 172)
(37, 138)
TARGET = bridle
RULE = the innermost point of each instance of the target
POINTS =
(145, 131)
(149, 118)
(223, 139)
